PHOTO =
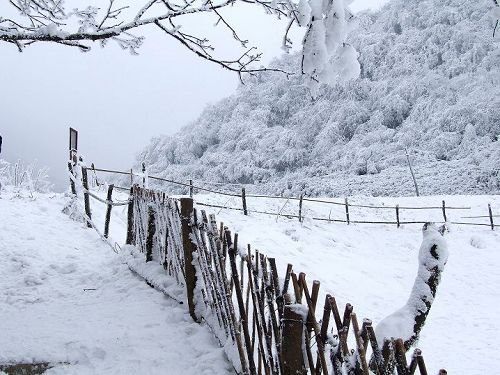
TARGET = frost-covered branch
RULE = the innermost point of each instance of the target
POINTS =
(52, 21)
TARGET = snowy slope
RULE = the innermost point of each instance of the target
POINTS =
(125, 327)
(374, 267)
(67, 297)
(429, 83)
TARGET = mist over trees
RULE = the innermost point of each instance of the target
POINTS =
(429, 82)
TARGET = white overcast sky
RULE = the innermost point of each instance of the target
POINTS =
(115, 100)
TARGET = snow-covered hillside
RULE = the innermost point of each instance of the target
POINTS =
(429, 83)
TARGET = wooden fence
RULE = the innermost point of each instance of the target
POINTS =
(487, 219)
(267, 324)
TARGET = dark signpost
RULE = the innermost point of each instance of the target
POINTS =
(73, 144)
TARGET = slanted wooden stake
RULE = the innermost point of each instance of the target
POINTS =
(189, 248)
(397, 215)
(300, 207)
(400, 357)
(411, 171)
(86, 198)
(130, 219)
(316, 327)
(244, 200)
(361, 366)
(232, 249)
(151, 233)
(491, 217)
(347, 211)
(72, 181)
(108, 210)
(291, 342)
(444, 212)
(420, 362)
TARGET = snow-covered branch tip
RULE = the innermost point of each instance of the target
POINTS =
(326, 54)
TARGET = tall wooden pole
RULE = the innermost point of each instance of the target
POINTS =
(189, 248)
(130, 218)
(244, 201)
(108, 210)
(411, 171)
(86, 198)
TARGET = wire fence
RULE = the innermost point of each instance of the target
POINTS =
(390, 214)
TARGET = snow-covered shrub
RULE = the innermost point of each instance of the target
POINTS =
(22, 176)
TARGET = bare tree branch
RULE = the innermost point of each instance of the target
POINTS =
(49, 21)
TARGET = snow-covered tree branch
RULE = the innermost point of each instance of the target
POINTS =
(121, 21)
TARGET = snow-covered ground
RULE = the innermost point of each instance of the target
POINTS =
(67, 297)
(124, 326)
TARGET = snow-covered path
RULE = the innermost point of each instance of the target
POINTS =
(66, 297)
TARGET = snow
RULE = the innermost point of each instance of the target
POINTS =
(323, 57)
(125, 326)
(67, 297)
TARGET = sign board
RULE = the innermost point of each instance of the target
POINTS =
(73, 144)
(73, 139)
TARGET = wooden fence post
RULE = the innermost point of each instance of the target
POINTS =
(300, 207)
(491, 217)
(86, 199)
(244, 200)
(130, 219)
(291, 342)
(397, 215)
(347, 211)
(191, 189)
(131, 177)
(151, 233)
(108, 210)
(143, 175)
(71, 180)
(189, 247)
(444, 212)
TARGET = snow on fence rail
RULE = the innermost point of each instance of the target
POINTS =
(347, 216)
(267, 324)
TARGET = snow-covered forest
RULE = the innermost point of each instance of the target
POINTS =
(429, 83)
